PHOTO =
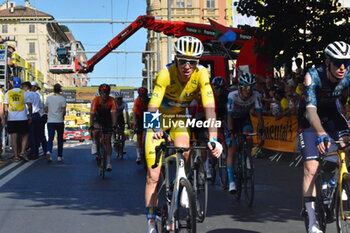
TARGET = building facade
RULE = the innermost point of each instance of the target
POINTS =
(32, 40)
(194, 11)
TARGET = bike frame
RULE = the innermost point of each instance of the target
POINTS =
(180, 174)
(343, 171)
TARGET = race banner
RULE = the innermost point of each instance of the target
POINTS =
(280, 134)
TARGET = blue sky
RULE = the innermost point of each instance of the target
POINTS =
(96, 36)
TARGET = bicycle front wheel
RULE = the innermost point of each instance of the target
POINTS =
(223, 168)
(343, 206)
(185, 215)
(248, 179)
(201, 193)
(238, 176)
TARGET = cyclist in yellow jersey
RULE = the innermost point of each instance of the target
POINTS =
(176, 86)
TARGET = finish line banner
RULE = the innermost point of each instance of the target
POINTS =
(280, 135)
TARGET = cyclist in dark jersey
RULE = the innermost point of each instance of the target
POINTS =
(320, 118)
(140, 106)
(103, 115)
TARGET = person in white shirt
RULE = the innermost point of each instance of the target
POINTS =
(35, 125)
(43, 119)
(17, 103)
(55, 107)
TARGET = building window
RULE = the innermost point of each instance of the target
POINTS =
(4, 28)
(189, 3)
(180, 3)
(31, 47)
(210, 3)
(31, 28)
(32, 64)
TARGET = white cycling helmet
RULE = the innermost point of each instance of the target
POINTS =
(338, 50)
(247, 79)
(188, 46)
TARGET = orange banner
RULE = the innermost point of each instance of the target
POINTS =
(280, 135)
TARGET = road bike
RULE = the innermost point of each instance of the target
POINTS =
(219, 166)
(119, 143)
(176, 196)
(101, 157)
(198, 179)
(337, 206)
(244, 169)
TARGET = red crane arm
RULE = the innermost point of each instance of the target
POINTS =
(204, 32)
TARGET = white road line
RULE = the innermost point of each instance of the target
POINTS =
(8, 167)
(16, 172)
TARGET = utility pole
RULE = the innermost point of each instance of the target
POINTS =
(169, 38)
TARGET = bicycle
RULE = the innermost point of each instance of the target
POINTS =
(198, 179)
(101, 158)
(244, 169)
(219, 165)
(339, 203)
(119, 143)
(175, 214)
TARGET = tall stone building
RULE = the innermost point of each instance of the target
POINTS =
(32, 40)
(194, 11)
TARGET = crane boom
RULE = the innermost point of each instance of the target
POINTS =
(204, 32)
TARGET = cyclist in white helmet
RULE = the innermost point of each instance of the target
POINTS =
(121, 107)
(176, 86)
(319, 117)
(239, 105)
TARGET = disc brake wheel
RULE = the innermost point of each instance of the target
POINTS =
(185, 215)
(343, 207)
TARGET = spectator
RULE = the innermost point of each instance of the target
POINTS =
(17, 119)
(282, 102)
(62, 54)
(43, 119)
(267, 96)
(55, 107)
(35, 124)
(299, 71)
(2, 121)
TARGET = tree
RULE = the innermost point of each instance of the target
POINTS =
(289, 27)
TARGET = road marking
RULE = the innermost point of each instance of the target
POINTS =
(16, 172)
(5, 169)
(24, 166)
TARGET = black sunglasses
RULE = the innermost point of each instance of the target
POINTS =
(245, 88)
(183, 61)
(339, 62)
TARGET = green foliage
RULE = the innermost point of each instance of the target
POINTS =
(282, 23)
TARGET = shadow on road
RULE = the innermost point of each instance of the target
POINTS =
(226, 230)
(76, 185)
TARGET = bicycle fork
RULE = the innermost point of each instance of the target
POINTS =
(171, 224)
(343, 171)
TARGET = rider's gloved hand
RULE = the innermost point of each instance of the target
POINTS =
(322, 148)
(217, 149)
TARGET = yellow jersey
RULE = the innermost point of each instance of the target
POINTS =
(171, 97)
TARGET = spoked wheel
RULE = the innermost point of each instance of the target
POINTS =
(163, 199)
(238, 176)
(161, 219)
(202, 192)
(185, 216)
(223, 168)
(343, 207)
(213, 166)
(103, 166)
(248, 180)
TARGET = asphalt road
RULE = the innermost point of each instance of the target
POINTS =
(70, 197)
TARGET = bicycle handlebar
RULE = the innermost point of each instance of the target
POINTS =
(337, 142)
(170, 149)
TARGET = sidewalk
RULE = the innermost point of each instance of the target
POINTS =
(5, 158)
